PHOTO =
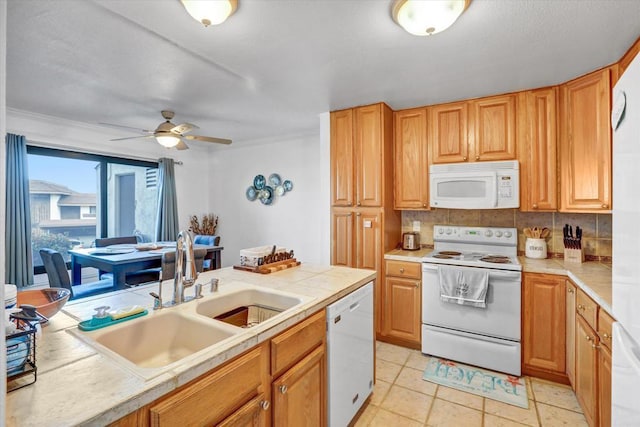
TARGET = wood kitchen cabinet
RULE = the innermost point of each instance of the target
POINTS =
(494, 128)
(402, 320)
(571, 331)
(361, 155)
(587, 370)
(411, 172)
(585, 143)
(544, 328)
(449, 132)
(537, 149)
(604, 386)
(364, 224)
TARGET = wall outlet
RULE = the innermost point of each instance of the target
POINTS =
(416, 225)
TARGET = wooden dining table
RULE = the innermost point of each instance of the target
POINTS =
(122, 259)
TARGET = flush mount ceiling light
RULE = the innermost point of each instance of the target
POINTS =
(210, 12)
(427, 17)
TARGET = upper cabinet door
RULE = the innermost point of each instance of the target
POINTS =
(494, 121)
(369, 143)
(448, 132)
(585, 144)
(411, 189)
(538, 162)
(342, 160)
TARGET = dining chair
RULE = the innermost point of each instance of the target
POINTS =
(134, 278)
(58, 276)
(203, 239)
(168, 264)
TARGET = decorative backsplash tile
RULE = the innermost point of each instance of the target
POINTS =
(596, 227)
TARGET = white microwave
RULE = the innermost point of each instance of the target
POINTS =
(475, 185)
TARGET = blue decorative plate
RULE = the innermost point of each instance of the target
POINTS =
(288, 185)
(259, 182)
(280, 190)
(274, 179)
(252, 194)
(266, 195)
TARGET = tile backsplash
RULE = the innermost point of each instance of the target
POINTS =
(596, 236)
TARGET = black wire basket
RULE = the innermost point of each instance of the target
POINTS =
(21, 353)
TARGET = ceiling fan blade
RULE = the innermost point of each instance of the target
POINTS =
(184, 128)
(208, 139)
(132, 137)
(126, 127)
(182, 146)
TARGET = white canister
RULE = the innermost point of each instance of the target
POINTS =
(535, 248)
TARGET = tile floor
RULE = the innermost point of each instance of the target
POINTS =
(402, 398)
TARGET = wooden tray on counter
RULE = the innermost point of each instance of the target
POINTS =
(270, 268)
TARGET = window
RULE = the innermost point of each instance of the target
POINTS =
(76, 197)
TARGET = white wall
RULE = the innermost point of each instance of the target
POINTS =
(3, 82)
(295, 221)
(192, 184)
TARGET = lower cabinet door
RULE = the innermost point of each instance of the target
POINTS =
(299, 395)
(255, 413)
(402, 318)
(604, 386)
(587, 370)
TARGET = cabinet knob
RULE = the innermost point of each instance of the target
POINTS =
(283, 389)
(265, 405)
(570, 290)
(588, 338)
(424, 205)
(349, 204)
(358, 203)
(401, 270)
(580, 307)
(417, 284)
(535, 206)
(606, 336)
(477, 157)
(605, 206)
(464, 158)
(358, 214)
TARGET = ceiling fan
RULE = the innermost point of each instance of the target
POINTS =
(170, 135)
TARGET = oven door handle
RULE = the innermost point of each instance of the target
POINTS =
(429, 267)
(493, 274)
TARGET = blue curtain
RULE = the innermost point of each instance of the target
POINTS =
(167, 226)
(18, 261)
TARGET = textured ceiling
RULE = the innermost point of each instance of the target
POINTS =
(275, 65)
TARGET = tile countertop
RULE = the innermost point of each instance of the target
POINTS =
(78, 385)
(594, 278)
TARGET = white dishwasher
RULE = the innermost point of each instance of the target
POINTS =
(350, 345)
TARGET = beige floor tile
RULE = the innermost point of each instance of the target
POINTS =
(412, 379)
(392, 353)
(380, 390)
(555, 394)
(387, 371)
(417, 360)
(387, 419)
(408, 403)
(449, 414)
(460, 397)
(551, 416)
(514, 413)
(366, 416)
(493, 421)
(529, 388)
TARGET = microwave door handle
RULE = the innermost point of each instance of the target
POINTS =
(494, 177)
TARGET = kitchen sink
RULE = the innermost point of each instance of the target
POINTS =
(247, 307)
(159, 340)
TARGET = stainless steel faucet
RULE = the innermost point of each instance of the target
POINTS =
(180, 282)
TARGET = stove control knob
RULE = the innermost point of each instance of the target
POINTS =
(507, 234)
(440, 230)
(498, 233)
(488, 233)
(448, 231)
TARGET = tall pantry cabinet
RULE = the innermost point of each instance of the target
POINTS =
(363, 223)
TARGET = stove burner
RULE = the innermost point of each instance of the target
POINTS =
(441, 256)
(451, 253)
(497, 259)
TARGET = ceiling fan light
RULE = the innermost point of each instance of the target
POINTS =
(210, 12)
(427, 17)
(168, 141)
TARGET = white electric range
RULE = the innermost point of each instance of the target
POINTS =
(486, 336)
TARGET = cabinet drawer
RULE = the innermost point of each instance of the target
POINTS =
(295, 343)
(409, 270)
(588, 309)
(209, 400)
(605, 325)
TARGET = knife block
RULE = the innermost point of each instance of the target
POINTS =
(574, 255)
